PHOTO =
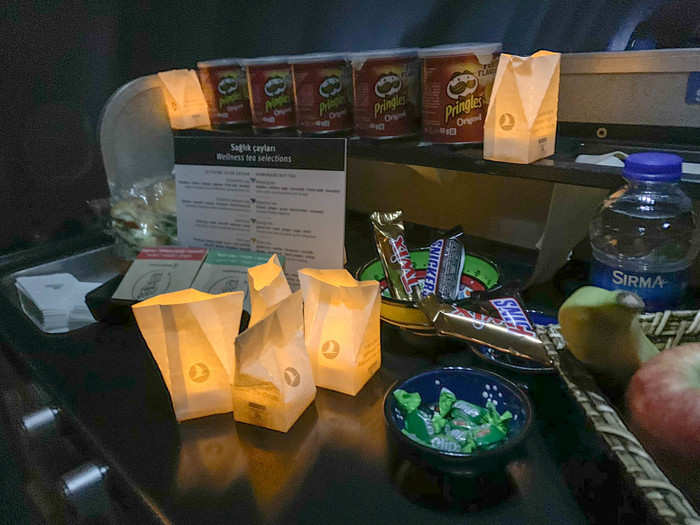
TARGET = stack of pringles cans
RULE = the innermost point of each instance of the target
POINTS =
(439, 93)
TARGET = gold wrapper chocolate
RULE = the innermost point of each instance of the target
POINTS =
(481, 328)
(393, 252)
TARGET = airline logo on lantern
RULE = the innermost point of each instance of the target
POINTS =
(199, 372)
(330, 349)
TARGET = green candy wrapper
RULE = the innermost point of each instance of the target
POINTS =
(451, 424)
(487, 434)
(439, 422)
(419, 424)
(446, 401)
(445, 442)
(407, 402)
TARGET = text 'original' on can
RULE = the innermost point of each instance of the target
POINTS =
(457, 83)
(322, 93)
(270, 91)
(225, 88)
(386, 93)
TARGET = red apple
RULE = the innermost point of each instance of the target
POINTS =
(663, 399)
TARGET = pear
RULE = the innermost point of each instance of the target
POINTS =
(602, 330)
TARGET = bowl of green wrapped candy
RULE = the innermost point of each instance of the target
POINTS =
(458, 419)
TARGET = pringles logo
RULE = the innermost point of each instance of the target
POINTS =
(461, 88)
(461, 85)
(330, 87)
(228, 89)
(276, 89)
(387, 88)
(331, 90)
(227, 85)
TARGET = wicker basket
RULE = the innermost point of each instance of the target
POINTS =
(665, 329)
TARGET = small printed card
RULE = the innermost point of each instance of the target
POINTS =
(227, 271)
(160, 270)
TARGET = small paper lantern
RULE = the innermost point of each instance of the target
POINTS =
(187, 107)
(341, 321)
(273, 383)
(268, 286)
(521, 122)
(191, 337)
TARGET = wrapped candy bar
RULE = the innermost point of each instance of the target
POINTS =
(480, 328)
(394, 254)
(444, 271)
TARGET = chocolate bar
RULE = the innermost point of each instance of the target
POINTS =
(394, 254)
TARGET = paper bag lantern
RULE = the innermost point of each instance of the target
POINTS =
(341, 322)
(273, 383)
(521, 122)
(191, 336)
(187, 107)
(268, 286)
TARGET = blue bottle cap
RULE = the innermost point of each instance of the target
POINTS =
(655, 167)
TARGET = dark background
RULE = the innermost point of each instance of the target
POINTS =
(60, 62)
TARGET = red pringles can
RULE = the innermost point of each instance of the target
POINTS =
(322, 93)
(270, 91)
(386, 86)
(225, 87)
(457, 83)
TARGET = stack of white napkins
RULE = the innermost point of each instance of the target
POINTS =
(55, 302)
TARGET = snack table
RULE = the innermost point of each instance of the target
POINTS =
(337, 464)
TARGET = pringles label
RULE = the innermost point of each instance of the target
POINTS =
(226, 90)
(322, 94)
(271, 98)
(456, 91)
(386, 97)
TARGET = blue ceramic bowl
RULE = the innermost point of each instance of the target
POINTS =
(475, 386)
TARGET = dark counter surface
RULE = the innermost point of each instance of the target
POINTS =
(336, 464)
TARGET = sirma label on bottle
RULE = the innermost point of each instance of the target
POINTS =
(660, 291)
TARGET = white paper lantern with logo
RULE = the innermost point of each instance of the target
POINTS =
(191, 337)
(341, 321)
(273, 383)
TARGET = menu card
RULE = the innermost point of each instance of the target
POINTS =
(160, 270)
(227, 271)
(273, 195)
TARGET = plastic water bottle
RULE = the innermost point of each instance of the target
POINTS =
(644, 237)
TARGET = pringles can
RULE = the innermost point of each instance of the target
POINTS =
(225, 88)
(386, 86)
(322, 93)
(457, 83)
(270, 92)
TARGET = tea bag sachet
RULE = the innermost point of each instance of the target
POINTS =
(191, 336)
(341, 320)
(268, 286)
(273, 382)
(521, 122)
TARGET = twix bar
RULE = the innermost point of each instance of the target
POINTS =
(393, 252)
